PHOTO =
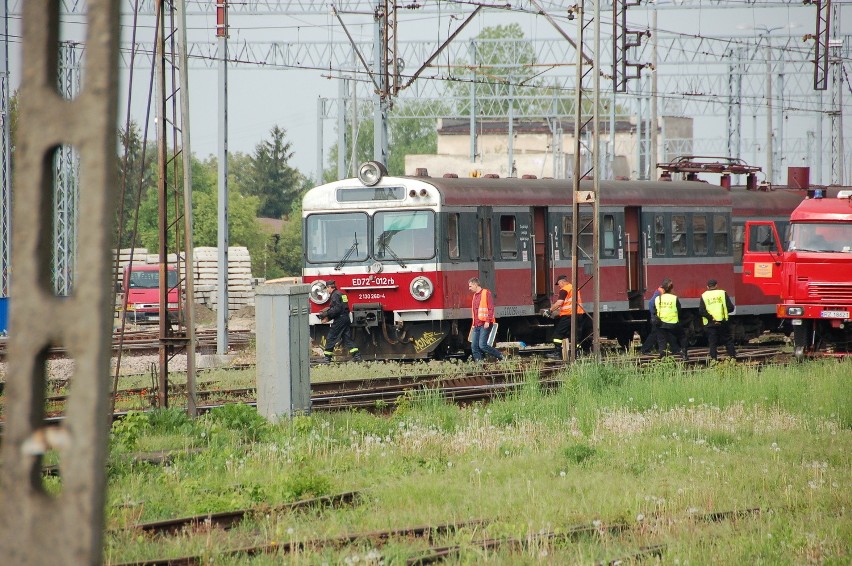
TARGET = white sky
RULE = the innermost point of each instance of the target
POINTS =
(259, 99)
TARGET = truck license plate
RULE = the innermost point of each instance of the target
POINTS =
(834, 314)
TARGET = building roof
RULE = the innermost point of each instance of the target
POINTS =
(461, 126)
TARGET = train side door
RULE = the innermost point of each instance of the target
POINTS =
(762, 257)
(539, 242)
(485, 257)
(632, 262)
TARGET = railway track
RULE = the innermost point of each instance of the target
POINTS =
(148, 341)
(430, 533)
(384, 393)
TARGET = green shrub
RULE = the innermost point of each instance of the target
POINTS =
(170, 420)
(240, 418)
(579, 453)
(127, 431)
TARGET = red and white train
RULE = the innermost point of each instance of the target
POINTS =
(404, 248)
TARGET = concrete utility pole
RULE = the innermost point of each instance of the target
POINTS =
(36, 527)
(223, 240)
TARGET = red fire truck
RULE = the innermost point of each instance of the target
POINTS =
(810, 270)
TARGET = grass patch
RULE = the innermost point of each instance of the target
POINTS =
(657, 448)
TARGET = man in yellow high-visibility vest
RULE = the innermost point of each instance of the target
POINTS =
(714, 308)
(668, 318)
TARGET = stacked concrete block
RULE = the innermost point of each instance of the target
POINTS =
(240, 289)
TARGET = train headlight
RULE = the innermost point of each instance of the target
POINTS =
(319, 292)
(421, 288)
(795, 311)
(371, 172)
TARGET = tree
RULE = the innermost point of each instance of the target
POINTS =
(501, 60)
(137, 176)
(272, 180)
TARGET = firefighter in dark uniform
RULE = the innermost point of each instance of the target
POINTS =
(338, 313)
(667, 317)
(714, 308)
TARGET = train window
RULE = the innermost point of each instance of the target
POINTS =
(586, 237)
(486, 250)
(608, 235)
(508, 237)
(659, 235)
(567, 235)
(739, 242)
(333, 237)
(720, 234)
(408, 234)
(361, 194)
(679, 234)
(699, 234)
(453, 235)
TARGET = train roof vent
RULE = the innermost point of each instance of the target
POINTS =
(844, 194)
(450, 176)
(421, 172)
(491, 176)
(528, 177)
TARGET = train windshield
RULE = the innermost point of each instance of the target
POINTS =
(408, 234)
(829, 237)
(337, 237)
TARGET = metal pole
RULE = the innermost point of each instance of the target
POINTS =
(611, 152)
(511, 146)
(320, 116)
(353, 163)
(341, 128)
(5, 155)
(223, 239)
(473, 104)
(819, 140)
(575, 181)
(596, 146)
(652, 130)
(770, 170)
(639, 165)
(162, 205)
(380, 112)
(189, 266)
(837, 152)
(779, 147)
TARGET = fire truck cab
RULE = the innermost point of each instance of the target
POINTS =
(810, 270)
